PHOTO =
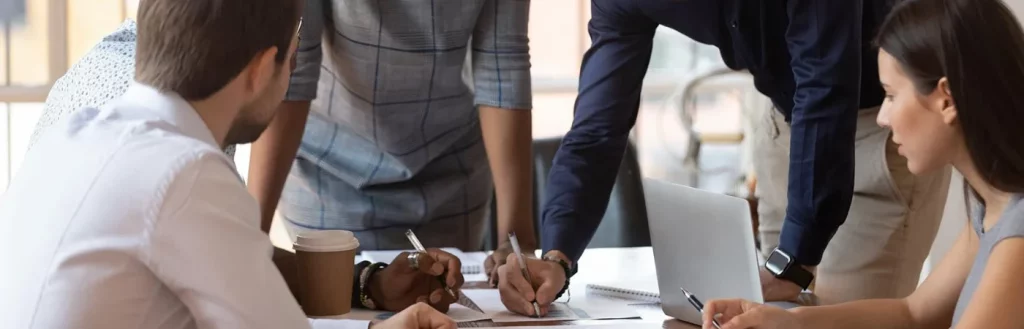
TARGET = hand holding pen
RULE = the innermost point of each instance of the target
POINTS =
(526, 272)
(411, 279)
(414, 260)
(699, 306)
(529, 285)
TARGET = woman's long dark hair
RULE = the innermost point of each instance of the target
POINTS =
(978, 45)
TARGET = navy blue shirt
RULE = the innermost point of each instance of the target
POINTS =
(813, 58)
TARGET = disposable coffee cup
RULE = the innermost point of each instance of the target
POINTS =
(326, 260)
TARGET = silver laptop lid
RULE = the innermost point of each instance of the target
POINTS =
(703, 242)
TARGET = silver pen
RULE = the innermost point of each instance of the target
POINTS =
(526, 272)
(699, 306)
(419, 247)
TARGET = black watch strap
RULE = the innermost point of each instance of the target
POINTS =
(799, 275)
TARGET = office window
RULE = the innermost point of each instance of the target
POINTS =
(37, 49)
(27, 47)
(89, 21)
(4, 49)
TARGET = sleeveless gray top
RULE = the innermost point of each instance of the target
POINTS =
(1010, 225)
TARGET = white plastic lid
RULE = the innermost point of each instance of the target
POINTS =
(326, 241)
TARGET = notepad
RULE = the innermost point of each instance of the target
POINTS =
(472, 262)
(646, 291)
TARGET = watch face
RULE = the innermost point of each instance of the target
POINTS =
(777, 262)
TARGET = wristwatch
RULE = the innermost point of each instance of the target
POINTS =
(783, 266)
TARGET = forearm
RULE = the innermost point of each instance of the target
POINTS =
(821, 176)
(508, 139)
(587, 163)
(286, 264)
(826, 63)
(874, 313)
(272, 156)
(579, 186)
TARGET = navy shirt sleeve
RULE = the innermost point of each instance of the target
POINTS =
(585, 167)
(824, 42)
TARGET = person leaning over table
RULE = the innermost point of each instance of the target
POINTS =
(814, 60)
(949, 100)
(387, 126)
(106, 72)
(153, 226)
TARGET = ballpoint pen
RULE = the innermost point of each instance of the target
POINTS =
(522, 262)
(699, 306)
(419, 247)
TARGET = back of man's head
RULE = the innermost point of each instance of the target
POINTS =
(196, 47)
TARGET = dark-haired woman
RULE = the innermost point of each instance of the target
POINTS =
(953, 72)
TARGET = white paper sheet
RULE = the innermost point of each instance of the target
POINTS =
(489, 301)
(619, 325)
(459, 313)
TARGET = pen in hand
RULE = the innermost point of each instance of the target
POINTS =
(699, 306)
(526, 272)
(419, 248)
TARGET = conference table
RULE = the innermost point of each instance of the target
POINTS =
(610, 265)
(603, 265)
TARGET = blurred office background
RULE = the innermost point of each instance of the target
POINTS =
(690, 130)
(52, 35)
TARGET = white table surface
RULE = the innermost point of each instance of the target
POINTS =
(604, 265)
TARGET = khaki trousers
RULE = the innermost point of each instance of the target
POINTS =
(880, 249)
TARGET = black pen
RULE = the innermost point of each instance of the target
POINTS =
(699, 306)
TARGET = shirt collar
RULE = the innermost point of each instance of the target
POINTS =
(170, 107)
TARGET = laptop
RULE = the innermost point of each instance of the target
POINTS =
(703, 242)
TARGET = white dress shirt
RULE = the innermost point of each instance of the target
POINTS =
(130, 216)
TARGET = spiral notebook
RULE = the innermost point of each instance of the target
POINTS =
(644, 291)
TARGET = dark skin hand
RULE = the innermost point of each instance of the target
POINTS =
(399, 285)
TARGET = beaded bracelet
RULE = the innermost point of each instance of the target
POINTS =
(364, 279)
(569, 272)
